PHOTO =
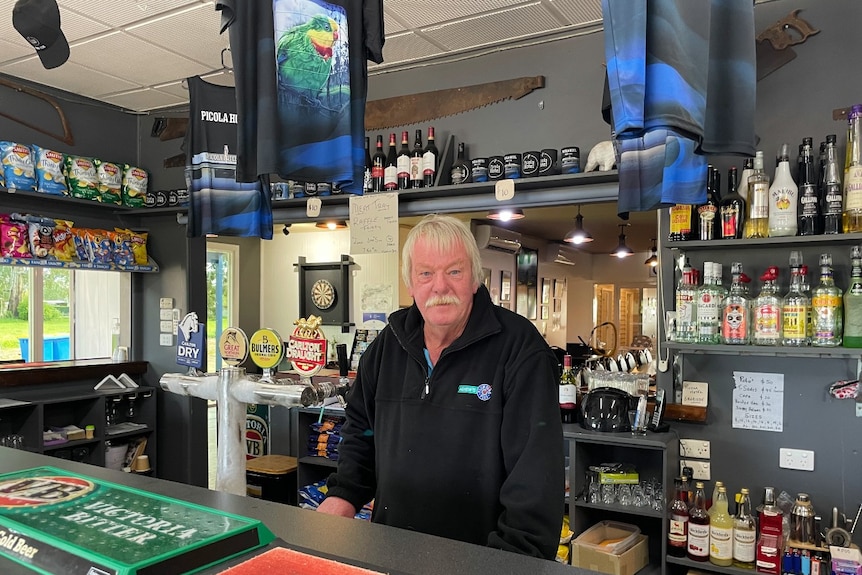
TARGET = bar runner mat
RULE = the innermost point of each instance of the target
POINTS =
(57, 522)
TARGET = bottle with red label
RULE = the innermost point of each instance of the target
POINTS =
(736, 312)
(677, 533)
(698, 526)
(378, 166)
(390, 171)
(767, 310)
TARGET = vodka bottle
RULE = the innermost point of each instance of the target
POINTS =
(853, 173)
(767, 310)
(827, 308)
(698, 526)
(709, 303)
(736, 311)
(686, 293)
(758, 200)
(794, 307)
(853, 302)
(744, 533)
(783, 195)
(721, 532)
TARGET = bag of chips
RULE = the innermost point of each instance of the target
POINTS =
(101, 245)
(138, 242)
(110, 182)
(18, 171)
(41, 234)
(82, 178)
(64, 241)
(83, 250)
(122, 248)
(13, 238)
(134, 186)
(50, 172)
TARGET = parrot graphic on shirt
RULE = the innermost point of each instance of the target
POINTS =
(304, 55)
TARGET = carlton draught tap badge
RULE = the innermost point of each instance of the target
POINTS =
(306, 347)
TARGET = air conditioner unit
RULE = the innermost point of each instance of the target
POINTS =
(560, 254)
(496, 238)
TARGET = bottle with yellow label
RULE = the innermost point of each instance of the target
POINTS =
(827, 307)
(721, 532)
(795, 307)
(852, 217)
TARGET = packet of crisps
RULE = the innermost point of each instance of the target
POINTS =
(138, 241)
(18, 171)
(64, 241)
(110, 182)
(50, 171)
(83, 251)
(102, 246)
(13, 238)
(41, 234)
(134, 186)
(122, 248)
(82, 176)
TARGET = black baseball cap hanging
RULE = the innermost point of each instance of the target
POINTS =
(39, 22)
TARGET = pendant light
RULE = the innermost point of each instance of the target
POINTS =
(506, 214)
(622, 251)
(652, 260)
(578, 235)
(331, 225)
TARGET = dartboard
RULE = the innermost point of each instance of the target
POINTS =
(323, 294)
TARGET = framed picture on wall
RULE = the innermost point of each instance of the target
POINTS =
(532, 292)
(545, 312)
(559, 288)
(546, 291)
(505, 286)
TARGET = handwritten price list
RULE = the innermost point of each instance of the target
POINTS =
(758, 401)
(374, 224)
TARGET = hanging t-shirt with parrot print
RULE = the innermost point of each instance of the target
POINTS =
(301, 76)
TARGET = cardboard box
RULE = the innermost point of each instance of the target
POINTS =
(627, 563)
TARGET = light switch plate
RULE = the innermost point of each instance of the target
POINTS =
(166, 339)
(166, 302)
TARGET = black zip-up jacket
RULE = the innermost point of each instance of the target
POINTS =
(472, 451)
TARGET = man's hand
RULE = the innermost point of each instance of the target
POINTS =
(337, 506)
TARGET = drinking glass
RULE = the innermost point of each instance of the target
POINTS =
(624, 494)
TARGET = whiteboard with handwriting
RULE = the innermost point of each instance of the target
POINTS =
(758, 401)
(374, 224)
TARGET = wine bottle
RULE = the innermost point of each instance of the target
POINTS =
(416, 179)
(429, 160)
(402, 163)
(460, 173)
(367, 182)
(378, 166)
(568, 390)
(390, 172)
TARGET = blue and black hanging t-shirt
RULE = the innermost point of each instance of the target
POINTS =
(301, 76)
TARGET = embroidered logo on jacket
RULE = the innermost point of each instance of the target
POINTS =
(483, 391)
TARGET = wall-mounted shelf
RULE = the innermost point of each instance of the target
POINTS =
(830, 239)
(764, 350)
(68, 200)
(150, 267)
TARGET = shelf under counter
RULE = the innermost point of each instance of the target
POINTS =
(652, 440)
(824, 239)
(317, 460)
(69, 444)
(645, 511)
(707, 566)
(765, 350)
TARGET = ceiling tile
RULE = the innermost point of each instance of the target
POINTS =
(529, 20)
(146, 99)
(11, 50)
(122, 12)
(407, 47)
(420, 13)
(579, 11)
(390, 24)
(200, 39)
(74, 27)
(135, 60)
(70, 76)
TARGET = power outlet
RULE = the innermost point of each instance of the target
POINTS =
(700, 469)
(801, 459)
(694, 448)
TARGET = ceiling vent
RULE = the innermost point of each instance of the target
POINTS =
(560, 254)
(496, 238)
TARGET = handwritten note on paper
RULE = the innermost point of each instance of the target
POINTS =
(758, 401)
(374, 224)
(695, 393)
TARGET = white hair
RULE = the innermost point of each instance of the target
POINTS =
(442, 233)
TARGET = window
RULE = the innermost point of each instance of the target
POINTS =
(68, 314)
(222, 296)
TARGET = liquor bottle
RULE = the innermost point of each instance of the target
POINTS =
(732, 209)
(711, 508)
(809, 202)
(686, 310)
(390, 172)
(853, 302)
(681, 223)
(429, 160)
(745, 192)
(709, 303)
(826, 305)
(367, 182)
(402, 163)
(378, 166)
(853, 172)
(707, 213)
(805, 287)
(767, 310)
(721, 531)
(758, 200)
(416, 179)
(568, 391)
(770, 540)
(795, 307)
(677, 533)
(736, 311)
(744, 533)
(783, 196)
(698, 526)
(460, 173)
(832, 197)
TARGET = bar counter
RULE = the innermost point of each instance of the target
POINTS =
(376, 547)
